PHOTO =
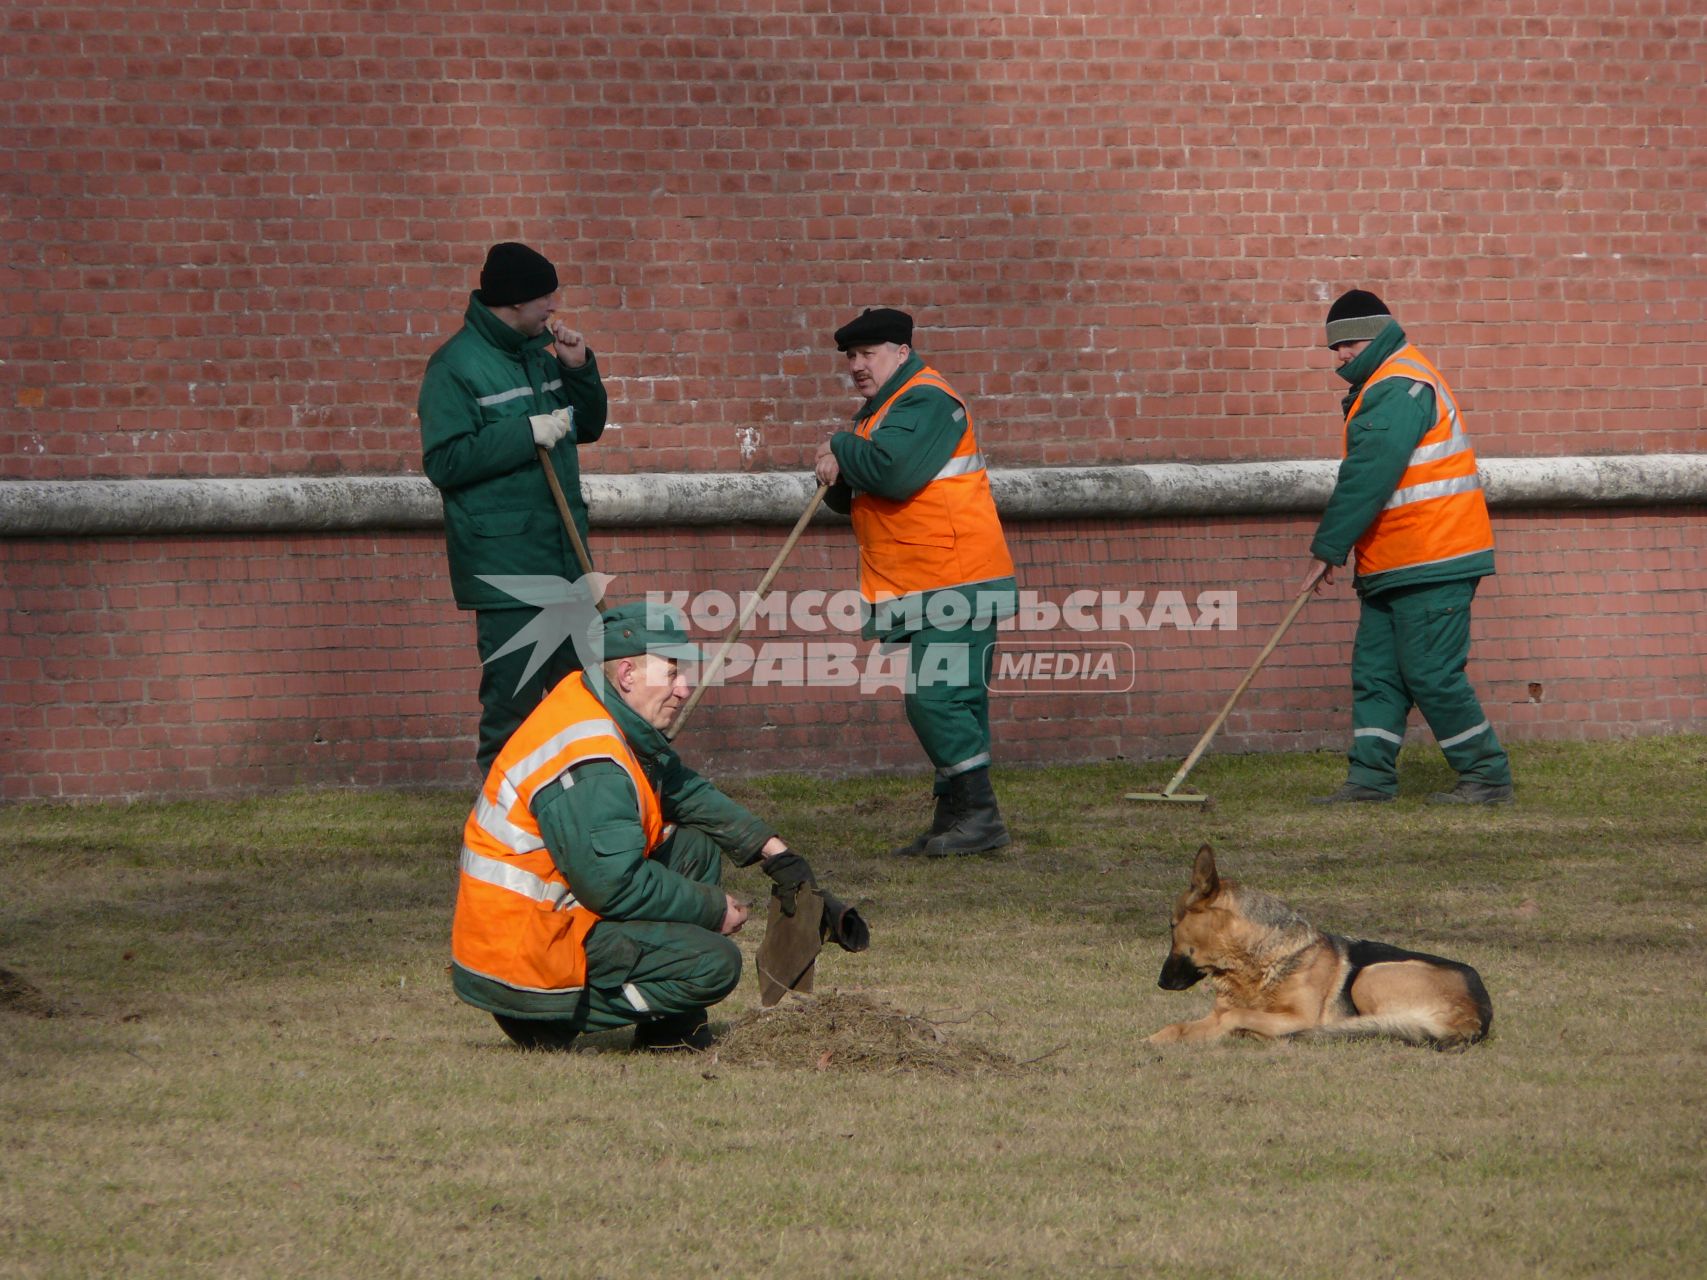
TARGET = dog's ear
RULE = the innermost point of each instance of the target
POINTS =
(1204, 878)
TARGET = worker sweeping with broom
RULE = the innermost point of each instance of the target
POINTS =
(1408, 500)
(935, 573)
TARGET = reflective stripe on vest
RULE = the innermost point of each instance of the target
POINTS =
(509, 792)
(1432, 489)
(961, 466)
(1437, 511)
(945, 535)
(517, 920)
(953, 467)
(505, 876)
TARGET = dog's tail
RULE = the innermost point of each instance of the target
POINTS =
(1434, 1030)
(1484, 1006)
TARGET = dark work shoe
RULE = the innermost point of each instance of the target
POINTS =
(941, 821)
(541, 1034)
(1353, 793)
(1468, 792)
(977, 825)
(678, 1031)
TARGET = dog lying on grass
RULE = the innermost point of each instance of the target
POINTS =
(1275, 975)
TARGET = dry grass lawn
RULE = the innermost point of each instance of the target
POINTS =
(228, 1048)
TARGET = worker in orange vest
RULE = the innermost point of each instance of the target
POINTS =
(1409, 502)
(590, 892)
(935, 573)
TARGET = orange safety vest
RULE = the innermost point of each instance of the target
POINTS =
(1438, 511)
(517, 921)
(945, 535)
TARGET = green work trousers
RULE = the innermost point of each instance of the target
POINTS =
(948, 697)
(504, 700)
(640, 970)
(1411, 649)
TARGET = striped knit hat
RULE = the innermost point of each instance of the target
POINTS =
(1356, 316)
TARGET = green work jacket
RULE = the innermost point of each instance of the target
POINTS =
(918, 436)
(480, 389)
(1379, 442)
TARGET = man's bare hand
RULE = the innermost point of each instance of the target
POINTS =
(825, 466)
(734, 916)
(571, 346)
(1321, 575)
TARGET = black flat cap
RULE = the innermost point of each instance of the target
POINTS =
(884, 324)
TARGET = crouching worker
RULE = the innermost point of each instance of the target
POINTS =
(590, 892)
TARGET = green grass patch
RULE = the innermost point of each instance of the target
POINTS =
(228, 1047)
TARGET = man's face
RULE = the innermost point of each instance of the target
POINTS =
(528, 318)
(653, 686)
(870, 367)
(1346, 352)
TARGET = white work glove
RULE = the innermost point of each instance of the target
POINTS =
(549, 428)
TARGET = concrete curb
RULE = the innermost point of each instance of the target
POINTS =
(307, 504)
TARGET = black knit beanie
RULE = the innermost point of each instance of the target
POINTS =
(1357, 315)
(515, 273)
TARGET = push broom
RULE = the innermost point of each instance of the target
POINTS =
(1171, 792)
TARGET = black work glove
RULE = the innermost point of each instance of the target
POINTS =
(789, 874)
(843, 925)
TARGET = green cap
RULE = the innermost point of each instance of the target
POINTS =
(638, 627)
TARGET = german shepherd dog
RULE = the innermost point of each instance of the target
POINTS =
(1275, 975)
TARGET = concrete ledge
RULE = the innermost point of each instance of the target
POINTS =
(117, 508)
(140, 508)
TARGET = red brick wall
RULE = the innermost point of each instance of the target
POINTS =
(137, 668)
(231, 234)
(245, 226)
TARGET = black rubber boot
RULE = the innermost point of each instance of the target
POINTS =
(1352, 793)
(675, 1031)
(941, 821)
(1470, 792)
(977, 825)
(537, 1033)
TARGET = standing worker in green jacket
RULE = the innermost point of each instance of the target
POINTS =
(590, 891)
(935, 572)
(1409, 501)
(515, 379)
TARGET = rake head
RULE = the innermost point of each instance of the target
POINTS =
(1169, 797)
